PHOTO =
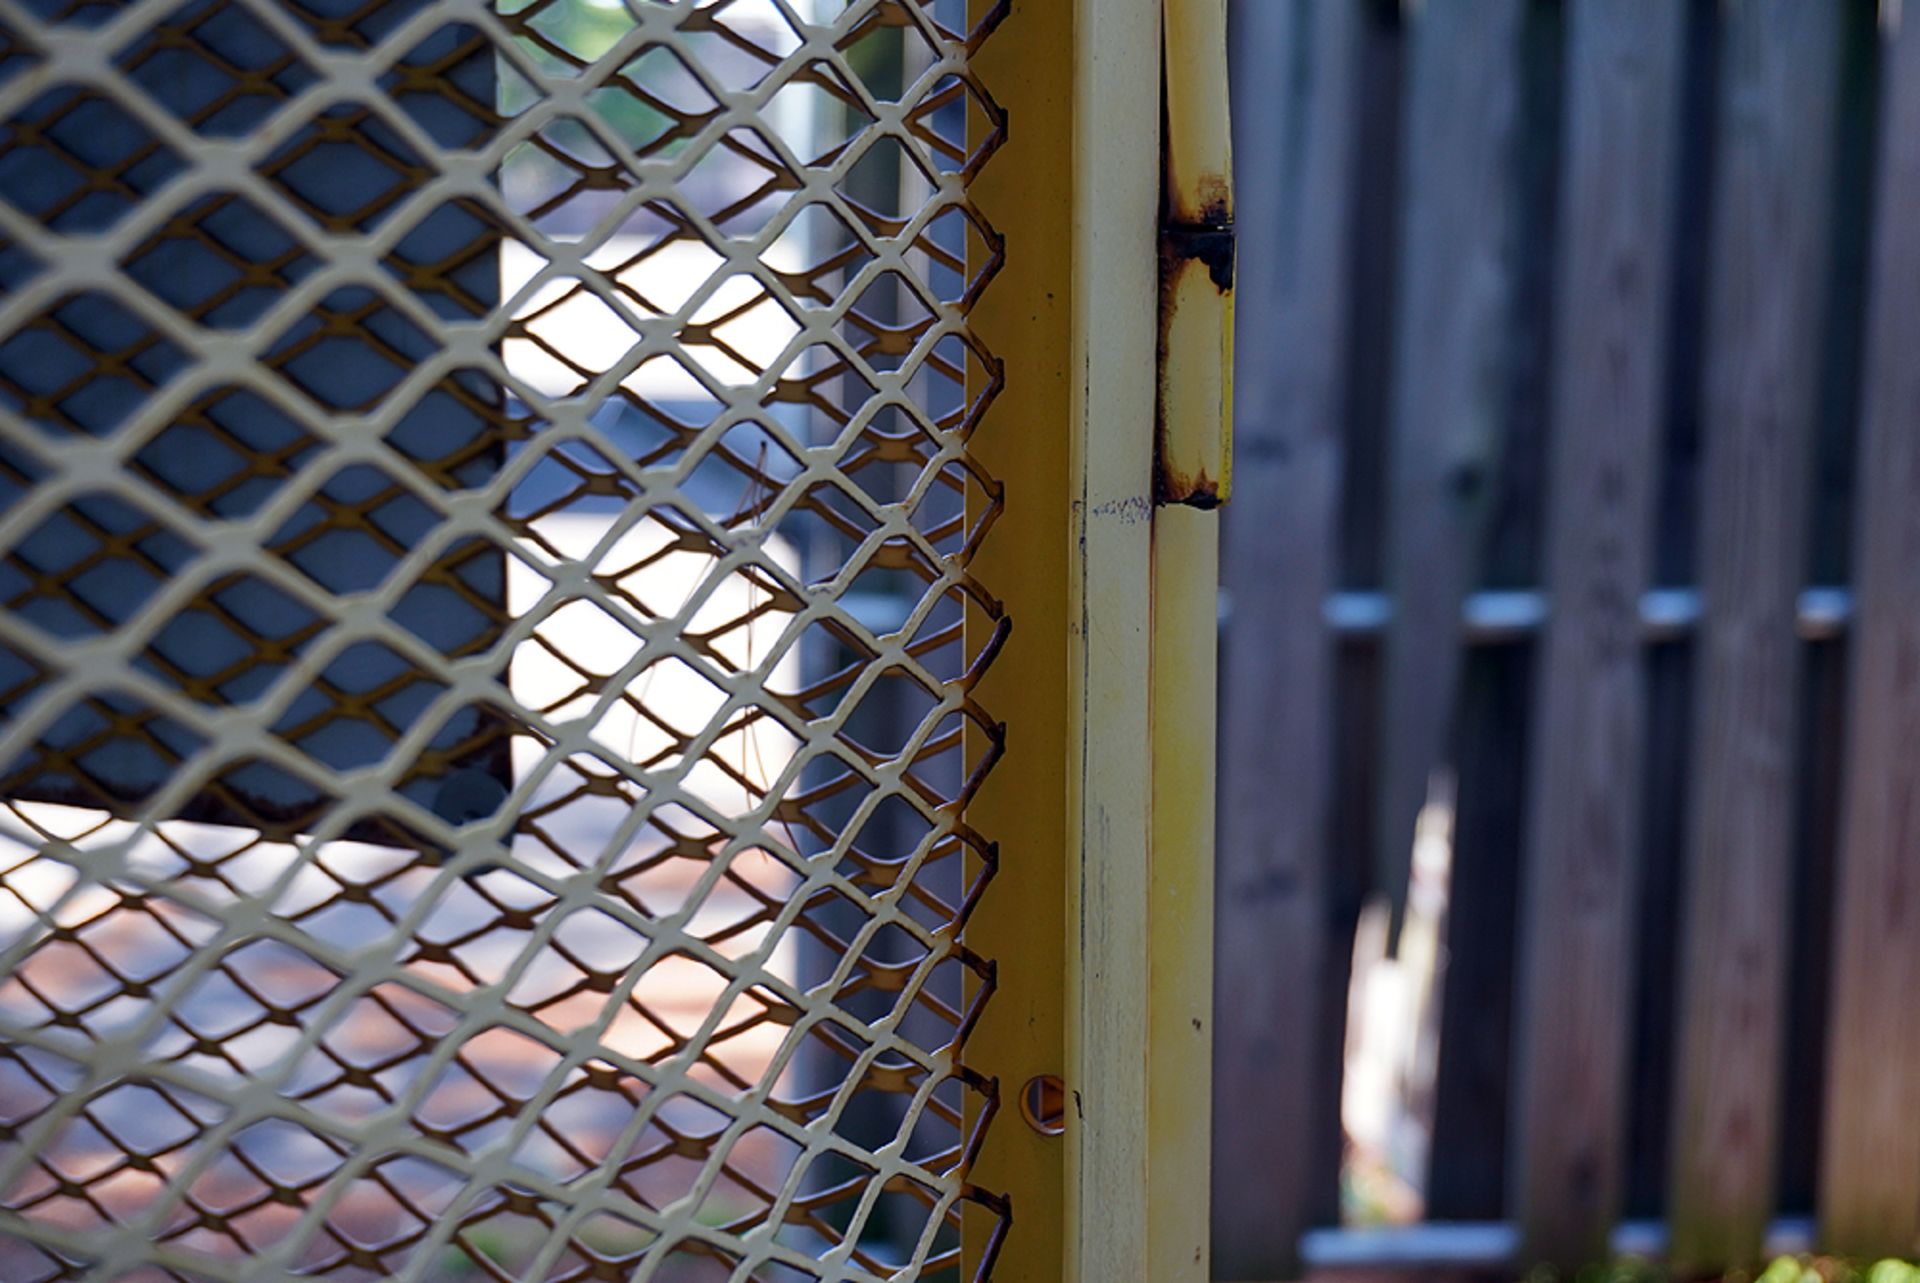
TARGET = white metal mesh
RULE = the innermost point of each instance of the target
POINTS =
(487, 646)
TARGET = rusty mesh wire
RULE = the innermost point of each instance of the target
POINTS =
(487, 648)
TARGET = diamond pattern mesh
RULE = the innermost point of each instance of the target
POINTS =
(486, 667)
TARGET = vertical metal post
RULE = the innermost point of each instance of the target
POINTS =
(1109, 740)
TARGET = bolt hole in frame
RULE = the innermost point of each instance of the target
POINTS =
(492, 637)
(1043, 1103)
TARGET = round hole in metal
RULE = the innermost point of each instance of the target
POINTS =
(1043, 1103)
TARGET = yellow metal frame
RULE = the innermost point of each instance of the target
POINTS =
(1103, 809)
(1196, 261)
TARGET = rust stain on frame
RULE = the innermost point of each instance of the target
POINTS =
(1193, 413)
(1193, 441)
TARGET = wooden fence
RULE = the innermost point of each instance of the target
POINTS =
(1579, 452)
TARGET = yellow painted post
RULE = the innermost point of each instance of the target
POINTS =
(1100, 916)
(1186, 545)
(1025, 318)
(1195, 440)
(1194, 445)
(1115, 291)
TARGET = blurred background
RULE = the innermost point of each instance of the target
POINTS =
(1565, 677)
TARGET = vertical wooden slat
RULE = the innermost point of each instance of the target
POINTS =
(1870, 1170)
(1467, 1163)
(1623, 60)
(1765, 308)
(1294, 147)
(1451, 381)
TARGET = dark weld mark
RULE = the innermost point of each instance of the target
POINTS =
(1213, 246)
(1193, 492)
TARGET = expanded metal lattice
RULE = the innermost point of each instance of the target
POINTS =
(487, 649)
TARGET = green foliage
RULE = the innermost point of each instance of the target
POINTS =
(1782, 1269)
(588, 30)
(1891, 1271)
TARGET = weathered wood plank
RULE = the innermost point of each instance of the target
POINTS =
(1575, 1019)
(1451, 382)
(1870, 1170)
(1467, 1163)
(1761, 371)
(1294, 150)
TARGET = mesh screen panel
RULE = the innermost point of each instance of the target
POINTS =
(486, 666)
